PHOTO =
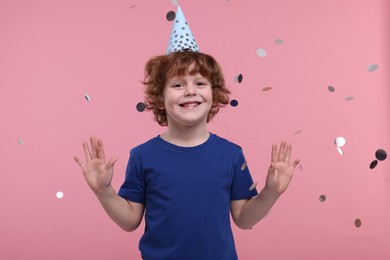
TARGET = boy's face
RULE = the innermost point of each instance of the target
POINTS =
(187, 100)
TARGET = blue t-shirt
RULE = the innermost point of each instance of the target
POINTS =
(187, 192)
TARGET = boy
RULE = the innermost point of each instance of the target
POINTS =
(187, 181)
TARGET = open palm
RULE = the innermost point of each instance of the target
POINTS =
(97, 172)
(281, 170)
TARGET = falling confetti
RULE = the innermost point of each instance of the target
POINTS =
(358, 223)
(339, 141)
(234, 103)
(132, 7)
(373, 164)
(171, 16)
(59, 195)
(349, 98)
(87, 97)
(239, 78)
(278, 41)
(331, 89)
(253, 186)
(20, 141)
(381, 155)
(322, 198)
(298, 132)
(267, 88)
(340, 151)
(141, 107)
(175, 2)
(372, 67)
(243, 166)
(261, 52)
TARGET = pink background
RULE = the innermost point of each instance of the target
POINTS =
(52, 52)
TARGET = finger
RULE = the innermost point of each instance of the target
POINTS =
(295, 163)
(288, 154)
(100, 149)
(282, 151)
(87, 152)
(94, 147)
(79, 162)
(111, 163)
(274, 154)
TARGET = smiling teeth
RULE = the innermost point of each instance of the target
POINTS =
(190, 104)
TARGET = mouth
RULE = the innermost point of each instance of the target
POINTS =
(190, 104)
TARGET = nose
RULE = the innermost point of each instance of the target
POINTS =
(190, 90)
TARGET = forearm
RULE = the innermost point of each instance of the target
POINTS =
(118, 209)
(256, 208)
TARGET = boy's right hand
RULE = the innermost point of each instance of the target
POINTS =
(97, 172)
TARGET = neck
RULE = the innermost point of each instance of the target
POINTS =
(186, 136)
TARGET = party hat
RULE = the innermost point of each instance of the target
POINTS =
(181, 35)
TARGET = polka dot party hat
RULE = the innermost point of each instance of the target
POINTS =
(181, 35)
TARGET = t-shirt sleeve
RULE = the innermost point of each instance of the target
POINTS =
(242, 179)
(133, 188)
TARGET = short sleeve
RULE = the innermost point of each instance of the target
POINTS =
(242, 179)
(133, 188)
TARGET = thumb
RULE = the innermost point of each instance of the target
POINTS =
(111, 163)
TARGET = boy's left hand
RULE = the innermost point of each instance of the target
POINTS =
(281, 170)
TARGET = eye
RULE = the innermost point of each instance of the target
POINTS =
(177, 85)
(201, 83)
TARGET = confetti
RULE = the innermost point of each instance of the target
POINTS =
(278, 41)
(300, 167)
(349, 98)
(339, 141)
(298, 132)
(239, 78)
(381, 155)
(373, 164)
(20, 141)
(267, 88)
(87, 97)
(253, 186)
(141, 107)
(340, 151)
(59, 195)
(171, 16)
(261, 52)
(372, 67)
(331, 89)
(175, 2)
(132, 7)
(234, 103)
(243, 166)
(322, 198)
(358, 223)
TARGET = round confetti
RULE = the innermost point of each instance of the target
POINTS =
(372, 67)
(261, 52)
(331, 89)
(349, 98)
(267, 88)
(59, 195)
(381, 155)
(20, 141)
(175, 2)
(239, 78)
(373, 164)
(339, 141)
(243, 166)
(141, 107)
(171, 16)
(253, 186)
(278, 41)
(340, 151)
(234, 103)
(322, 198)
(87, 97)
(358, 223)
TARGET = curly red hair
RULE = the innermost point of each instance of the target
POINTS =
(161, 68)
